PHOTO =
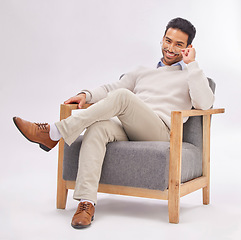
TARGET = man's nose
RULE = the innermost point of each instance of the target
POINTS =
(171, 47)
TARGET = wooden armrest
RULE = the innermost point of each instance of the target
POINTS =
(66, 109)
(177, 124)
(196, 112)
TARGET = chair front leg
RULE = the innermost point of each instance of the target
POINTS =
(62, 190)
(175, 167)
(206, 157)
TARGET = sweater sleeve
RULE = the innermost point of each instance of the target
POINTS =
(127, 81)
(201, 94)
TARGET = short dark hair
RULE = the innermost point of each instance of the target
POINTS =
(183, 25)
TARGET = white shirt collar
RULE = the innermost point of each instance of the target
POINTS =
(181, 63)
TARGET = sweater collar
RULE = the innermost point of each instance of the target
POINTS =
(181, 63)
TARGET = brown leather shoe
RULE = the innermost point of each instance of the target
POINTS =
(83, 216)
(36, 133)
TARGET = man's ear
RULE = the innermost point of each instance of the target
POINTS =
(189, 46)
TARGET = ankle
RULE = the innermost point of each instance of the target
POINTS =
(89, 201)
(54, 133)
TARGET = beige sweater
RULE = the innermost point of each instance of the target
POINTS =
(163, 89)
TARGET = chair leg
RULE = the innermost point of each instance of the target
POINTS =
(175, 167)
(62, 193)
(174, 208)
(206, 195)
(206, 157)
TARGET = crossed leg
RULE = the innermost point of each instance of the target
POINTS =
(138, 122)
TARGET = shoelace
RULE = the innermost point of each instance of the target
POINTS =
(42, 126)
(83, 207)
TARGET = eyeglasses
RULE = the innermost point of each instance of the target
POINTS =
(167, 46)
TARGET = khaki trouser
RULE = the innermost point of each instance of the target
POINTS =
(137, 123)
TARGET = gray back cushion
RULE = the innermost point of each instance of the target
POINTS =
(192, 129)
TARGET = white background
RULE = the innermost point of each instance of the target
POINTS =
(50, 50)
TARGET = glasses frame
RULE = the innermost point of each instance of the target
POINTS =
(175, 49)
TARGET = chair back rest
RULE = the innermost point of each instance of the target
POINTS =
(192, 129)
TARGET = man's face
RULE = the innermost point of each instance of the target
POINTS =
(173, 42)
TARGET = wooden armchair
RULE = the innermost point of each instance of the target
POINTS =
(188, 141)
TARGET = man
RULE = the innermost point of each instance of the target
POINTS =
(141, 100)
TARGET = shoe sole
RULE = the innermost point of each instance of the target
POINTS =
(82, 226)
(40, 145)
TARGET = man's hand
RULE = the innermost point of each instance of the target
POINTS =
(80, 99)
(189, 55)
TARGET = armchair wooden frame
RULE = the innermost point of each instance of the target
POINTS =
(176, 189)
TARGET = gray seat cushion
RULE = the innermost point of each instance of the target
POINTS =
(136, 164)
